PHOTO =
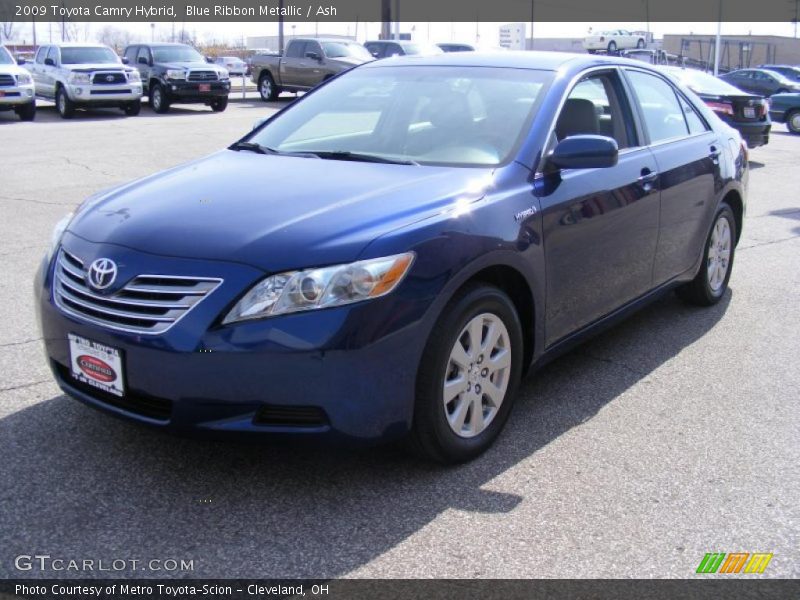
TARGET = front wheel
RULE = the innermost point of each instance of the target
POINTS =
(65, 106)
(159, 101)
(132, 109)
(640, 43)
(710, 283)
(793, 121)
(468, 376)
(219, 105)
(612, 47)
(27, 112)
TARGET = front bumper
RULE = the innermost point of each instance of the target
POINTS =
(16, 95)
(346, 372)
(104, 94)
(189, 91)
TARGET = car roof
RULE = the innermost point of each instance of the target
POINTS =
(546, 61)
(76, 45)
(323, 39)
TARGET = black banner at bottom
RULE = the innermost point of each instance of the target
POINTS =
(422, 589)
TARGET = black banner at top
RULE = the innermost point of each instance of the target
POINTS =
(409, 10)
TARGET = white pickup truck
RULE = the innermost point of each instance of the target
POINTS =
(16, 87)
(83, 76)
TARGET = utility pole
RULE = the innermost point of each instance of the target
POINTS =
(533, 7)
(280, 26)
(718, 41)
(386, 19)
(396, 19)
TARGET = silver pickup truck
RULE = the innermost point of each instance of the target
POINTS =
(85, 75)
(16, 87)
(306, 63)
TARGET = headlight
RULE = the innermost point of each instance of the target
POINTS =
(58, 232)
(224, 74)
(24, 79)
(134, 76)
(176, 74)
(79, 78)
(321, 288)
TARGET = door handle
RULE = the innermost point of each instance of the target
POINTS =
(647, 176)
(713, 154)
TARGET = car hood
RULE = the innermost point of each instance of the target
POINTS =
(272, 212)
(351, 60)
(87, 67)
(13, 70)
(188, 65)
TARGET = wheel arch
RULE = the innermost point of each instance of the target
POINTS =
(734, 199)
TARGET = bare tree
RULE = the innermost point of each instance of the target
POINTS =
(115, 37)
(7, 30)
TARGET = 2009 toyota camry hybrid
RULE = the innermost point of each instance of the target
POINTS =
(386, 257)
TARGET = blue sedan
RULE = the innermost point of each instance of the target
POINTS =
(388, 256)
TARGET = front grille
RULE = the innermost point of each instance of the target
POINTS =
(140, 404)
(202, 76)
(103, 78)
(7, 81)
(148, 304)
(291, 416)
(109, 92)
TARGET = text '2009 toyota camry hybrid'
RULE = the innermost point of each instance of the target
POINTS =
(389, 255)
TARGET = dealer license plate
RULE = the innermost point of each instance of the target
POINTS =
(2, 93)
(749, 112)
(96, 364)
(205, 87)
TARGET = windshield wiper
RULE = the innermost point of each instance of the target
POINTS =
(259, 149)
(358, 156)
(253, 147)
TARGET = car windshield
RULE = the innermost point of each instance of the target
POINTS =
(74, 55)
(345, 49)
(5, 57)
(422, 49)
(703, 83)
(166, 54)
(457, 116)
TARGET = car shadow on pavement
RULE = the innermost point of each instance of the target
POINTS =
(81, 484)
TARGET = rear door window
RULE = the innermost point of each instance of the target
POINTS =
(296, 49)
(662, 113)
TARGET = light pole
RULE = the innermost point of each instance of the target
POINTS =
(718, 41)
(152, 32)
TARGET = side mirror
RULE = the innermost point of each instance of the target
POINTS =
(584, 152)
(125, 60)
(142, 60)
(313, 56)
(50, 62)
(20, 61)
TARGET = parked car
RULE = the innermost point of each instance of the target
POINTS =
(791, 73)
(760, 81)
(453, 47)
(16, 87)
(650, 55)
(785, 108)
(387, 256)
(306, 63)
(747, 113)
(234, 65)
(178, 74)
(85, 76)
(613, 40)
(389, 48)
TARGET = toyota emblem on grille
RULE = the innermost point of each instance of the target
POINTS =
(102, 273)
(109, 78)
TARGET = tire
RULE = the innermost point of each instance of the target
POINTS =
(432, 434)
(219, 105)
(65, 106)
(26, 112)
(793, 121)
(267, 88)
(159, 100)
(640, 44)
(132, 109)
(709, 286)
(591, 51)
(612, 47)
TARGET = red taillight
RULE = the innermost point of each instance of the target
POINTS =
(721, 107)
(764, 107)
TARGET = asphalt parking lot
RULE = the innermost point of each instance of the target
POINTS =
(675, 434)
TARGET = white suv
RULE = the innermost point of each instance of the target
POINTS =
(16, 87)
(85, 75)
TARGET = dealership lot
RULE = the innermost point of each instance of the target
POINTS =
(672, 435)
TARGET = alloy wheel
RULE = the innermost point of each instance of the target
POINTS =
(719, 254)
(156, 99)
(477, 375)
(266, 88)
(794, 122)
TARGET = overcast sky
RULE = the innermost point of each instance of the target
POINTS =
(485, 34)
